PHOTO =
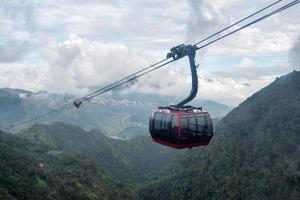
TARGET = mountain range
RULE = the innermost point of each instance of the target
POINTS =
(117, 115)
(254, 154)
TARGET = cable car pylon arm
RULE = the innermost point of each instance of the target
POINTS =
(181, 51)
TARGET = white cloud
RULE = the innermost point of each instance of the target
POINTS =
(294, 55)
(15, 27)
(273, 35)
(226, 89)
(252, 42)
(12, 50)
(78, 64)
(110, 39)
(247, 63)
(23, 76)
(204, 17)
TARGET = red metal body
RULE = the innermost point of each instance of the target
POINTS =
(181, 146)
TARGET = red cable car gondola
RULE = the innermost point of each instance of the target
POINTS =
(181, 126)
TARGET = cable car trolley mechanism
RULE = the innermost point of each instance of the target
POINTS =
(182, 126)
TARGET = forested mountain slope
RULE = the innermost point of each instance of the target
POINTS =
(36, 171)
(61, 161)
(255, 153)
(134, 160)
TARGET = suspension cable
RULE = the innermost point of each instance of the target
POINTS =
(100, 91)
(251, 23)
(232, 25)
(123, 79)
(160, 64)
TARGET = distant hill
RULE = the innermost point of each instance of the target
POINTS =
(11, 108)
(254, 154)
(132, 161)
(117, 115)
(61, 161)
(33, 171)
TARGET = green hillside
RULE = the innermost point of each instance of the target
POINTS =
(37, 171)
(131, 161)
(255, 153)
(61, 161)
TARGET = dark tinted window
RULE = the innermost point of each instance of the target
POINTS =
(174, 129)
(157, 124)
(193, 125)
(157, 121)
(200, 124)
(163, 126)
(184, 128)
(168, 127)
(151, 124)
(209, 126)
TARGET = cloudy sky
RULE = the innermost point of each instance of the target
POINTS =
(75, 46)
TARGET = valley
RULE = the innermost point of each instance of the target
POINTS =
(253, 155)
